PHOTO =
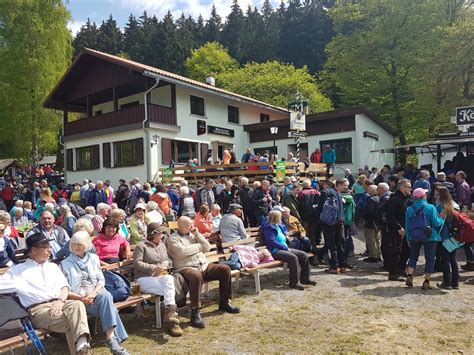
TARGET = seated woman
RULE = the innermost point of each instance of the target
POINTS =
(119, 216)
(153, 213)
(151, 264)
(275, 240)
(203, 221)
(216, 217)
(68, 220)
(84, 275)
(138, 224)
(110, 246)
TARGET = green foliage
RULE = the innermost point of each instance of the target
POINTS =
(35, 51)
(275, 83)
(210, 59)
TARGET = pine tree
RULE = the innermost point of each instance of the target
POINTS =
(252, 37)
(213, 28)
(270, 33)
(186, 40)
(231, 33)
(132, 39)
(165, 42)
(86, 37)
(110, 37)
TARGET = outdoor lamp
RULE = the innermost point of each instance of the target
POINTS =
(154, 140)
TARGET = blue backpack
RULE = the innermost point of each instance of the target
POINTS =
(419, 227)
(329, 211)
(117, 284)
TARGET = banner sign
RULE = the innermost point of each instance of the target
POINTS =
(280, 171)
(465, 115)
(167, 175)
(297, 121)
(220, 131)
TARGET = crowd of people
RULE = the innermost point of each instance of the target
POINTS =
(69, 233)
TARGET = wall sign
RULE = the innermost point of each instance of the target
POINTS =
(371, 135)
(201, 127)
(465, 115)
(220, 131)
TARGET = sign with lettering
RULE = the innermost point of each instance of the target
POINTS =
(371, 135)
(297, 121)
(280, 171)
(294, 134)
(167, 176)
(201, 127)
(220, 131)
(465, 115)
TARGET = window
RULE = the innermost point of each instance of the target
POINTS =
(232, 114)
(264, 117)
(98, 112)
(197, 105)
(343, 148)
(130, 104)
(303, 150)
(128, 153)
(182, 151)
(87, 158)
(261, 151)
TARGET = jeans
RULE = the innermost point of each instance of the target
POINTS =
(450, 267)
(104, 308)
(348, 241)
(233, 262)
(333, 240)
(301, 243)
(469, 254)
(430, 254)
(298, 264)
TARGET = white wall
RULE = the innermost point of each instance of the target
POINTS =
(113, 174)
(366, 144)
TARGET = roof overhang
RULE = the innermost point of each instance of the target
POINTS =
(427, 146)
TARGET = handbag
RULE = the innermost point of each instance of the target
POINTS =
(451, 244)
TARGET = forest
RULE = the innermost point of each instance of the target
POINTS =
(409, 61)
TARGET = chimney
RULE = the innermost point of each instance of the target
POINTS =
(210, 80)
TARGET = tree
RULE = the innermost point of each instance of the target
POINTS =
(210, 59)
(231, 36)
(275, 83)
(132, 38)
(165, 43)
(109, 39)
(187, 38)
(252, 37)
(86, 37)
(36, 50)
(376, 58)
(212, 31)
(271, 31)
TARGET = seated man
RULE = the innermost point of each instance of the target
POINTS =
(186, 249)
(231, 225)
(300, 240)
(43, 291)
(56, 235)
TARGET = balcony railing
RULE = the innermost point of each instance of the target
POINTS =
(127, 116)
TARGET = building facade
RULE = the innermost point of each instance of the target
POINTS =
(123, 119)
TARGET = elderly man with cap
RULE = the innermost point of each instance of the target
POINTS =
(43, 291)
(231, 226)
(186, 249)
(151, 266)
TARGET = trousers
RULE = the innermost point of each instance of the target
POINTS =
(372, 240)
(195, 278)
(72, 321)
(298, 263)
(159, 285)
(104, 308)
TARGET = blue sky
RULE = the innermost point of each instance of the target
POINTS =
(98, 10)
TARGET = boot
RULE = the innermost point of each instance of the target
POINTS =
(175, 330)
(115, 347)
(228, 307)
(170, 316)
(196, 319)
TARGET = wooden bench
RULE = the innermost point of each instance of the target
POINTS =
(18, 340)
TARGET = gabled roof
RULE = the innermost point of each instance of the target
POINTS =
(167, 76)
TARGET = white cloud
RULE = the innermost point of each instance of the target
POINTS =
(75, 26)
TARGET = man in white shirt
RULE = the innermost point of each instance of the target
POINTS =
(43, 291)
(231, 226)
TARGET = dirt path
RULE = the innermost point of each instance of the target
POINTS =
(356, 312)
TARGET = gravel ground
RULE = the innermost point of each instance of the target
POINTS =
(357, 312)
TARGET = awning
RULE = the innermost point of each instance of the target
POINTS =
(7, 163)
(445, 143)
(48, 159)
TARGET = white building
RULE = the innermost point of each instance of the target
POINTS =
(124, 119)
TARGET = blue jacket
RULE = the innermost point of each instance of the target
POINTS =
(73, 272)
(270, 232)
(7, 254)
(431, 214)
(329, 157)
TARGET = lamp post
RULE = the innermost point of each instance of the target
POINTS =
(274, 132)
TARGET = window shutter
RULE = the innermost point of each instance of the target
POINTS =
(106, 155)
(69, 153)
(204, 153)
(95, 157)
(139, 151)
(165, 150)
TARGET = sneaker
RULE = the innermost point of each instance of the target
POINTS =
(443, 286)
(332, 270)
(85, 350)
(309, 282)
(426, 285)
(409, 280)
(455, 287)
(297, 286)
(115, 347)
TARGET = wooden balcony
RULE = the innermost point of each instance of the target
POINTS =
(127, 116)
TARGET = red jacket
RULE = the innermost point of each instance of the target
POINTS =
(315, 157)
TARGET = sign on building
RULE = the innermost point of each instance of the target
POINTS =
(297, 121)
(465, 115)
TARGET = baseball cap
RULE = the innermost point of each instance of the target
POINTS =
(419, 193)
(35, 240)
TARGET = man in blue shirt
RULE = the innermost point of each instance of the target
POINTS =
(423, 182)
(329, 158)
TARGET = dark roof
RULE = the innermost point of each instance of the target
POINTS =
(321, 116)
(142, 68)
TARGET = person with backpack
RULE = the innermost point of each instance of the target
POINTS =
(349, 214)
(308, 200)
(372, 235)
(331, 213)
(205, 195)
(444, 201)
(186, 203)
(384, 193)
(422, 230)
(396, 247)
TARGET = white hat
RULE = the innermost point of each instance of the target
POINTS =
(141, 206)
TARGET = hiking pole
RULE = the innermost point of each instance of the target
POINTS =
(30, 330)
